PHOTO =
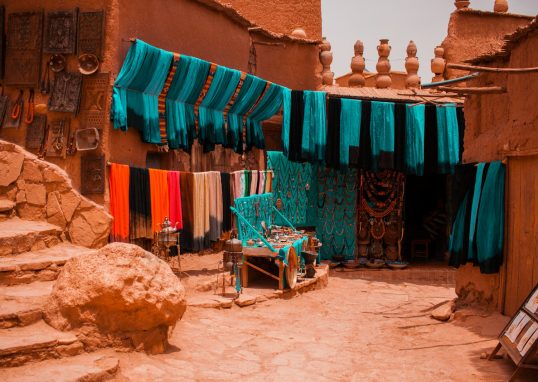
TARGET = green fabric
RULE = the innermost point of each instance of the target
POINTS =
(188, 81)
(314, 138)
(286, 115)
(448, 150)
(414, 138)
(350, 127)
(381, 131)
(471, 254)
(255, 209)
(268, 106)
(456, 243)
(211, 111)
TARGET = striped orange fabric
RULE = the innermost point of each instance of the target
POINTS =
(162, 99)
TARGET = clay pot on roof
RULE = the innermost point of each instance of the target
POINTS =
(299, 33)
(501, 6)
(411, 66)
(357, 66)
(462, 4)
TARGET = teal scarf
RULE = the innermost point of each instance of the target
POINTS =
(448, 149)
(350, 128)
(314, 138)
(382, 135)
(414, 139)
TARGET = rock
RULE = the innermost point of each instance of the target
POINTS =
(245, 300)
(90, 228)
(10, 166)
(31, 172)
(215, 302)
(119, 295)
(36, 194)
(20, 197)
(6, 205)
(444, 312)
(29, 212)
(54, 211)
(69, 202)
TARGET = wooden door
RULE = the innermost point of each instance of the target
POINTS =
(521, 231)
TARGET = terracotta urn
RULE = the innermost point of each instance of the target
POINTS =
(462, 4)
(325, 45)
(501, 6)
(326, 58)
(438, 62)
(411, 66)
(383, 49)
(357, 66)
(299, 33)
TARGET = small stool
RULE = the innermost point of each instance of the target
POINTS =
(420, 249)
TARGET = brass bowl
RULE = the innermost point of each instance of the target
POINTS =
(57, 63)
(88, 63)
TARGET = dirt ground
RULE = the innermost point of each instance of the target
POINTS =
(353, 330)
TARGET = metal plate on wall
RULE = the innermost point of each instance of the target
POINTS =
(23, 48)
(92, 174)
(93, 104)
(65, 96)
(90, 33)
(35, 132)
(57, 139)
(60, 32)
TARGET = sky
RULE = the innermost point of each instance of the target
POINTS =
(423, 21)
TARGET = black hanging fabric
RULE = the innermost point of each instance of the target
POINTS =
(226, 202)
(430, 140)
(139, 204)
(186, 181)
(332, 151)
(365, 142)
(399, 136)
(296, 126)
(460, 115)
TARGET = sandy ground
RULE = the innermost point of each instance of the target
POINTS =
(353, 330)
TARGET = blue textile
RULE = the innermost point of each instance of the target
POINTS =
(350, 127)
(286, 115)
(184, 90)
(471, 253)
(382, 135)
(255, 209)
(456, 243)
(414, 138)
(268, 106)
(137, 88)
(448, 146)
(248, 95)
(314, 137)
(211, 111)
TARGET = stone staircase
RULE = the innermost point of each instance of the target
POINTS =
(33, 250)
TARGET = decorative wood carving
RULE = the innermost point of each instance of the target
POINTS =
(92, 174)
(35, 132)
(60, 32)
(65, 96)
(90, 33)
(57, 139)
(23, 48)
(94, 95)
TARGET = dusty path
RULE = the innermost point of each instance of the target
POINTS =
(354, 330)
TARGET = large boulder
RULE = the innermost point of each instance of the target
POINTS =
(119, 296)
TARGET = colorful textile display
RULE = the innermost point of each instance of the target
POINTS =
(382, 135)
(478, 229)
(139, 204)
(414, 139)
(255, 209)
(174, 197)
(314, 137)
(158, 183)
(448, 150)
(350, 128)
(119, 201)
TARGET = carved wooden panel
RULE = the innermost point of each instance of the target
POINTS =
(90, 33)
(60, 32)
(94, 96)
(92, 174)
(35, 132)
(57, 139)
(10, 123)
(23, 48)
(65, 96)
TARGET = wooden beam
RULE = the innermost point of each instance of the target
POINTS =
(492, 70)
(481, 90)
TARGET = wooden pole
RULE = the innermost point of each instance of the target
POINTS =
(481, 90)
(493, 70)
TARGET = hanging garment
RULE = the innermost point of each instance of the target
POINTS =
(414, 140)
(382, 135)
(201, 226)
(239, 183)
(211, 111)
(456, 243)
(174, 192)
(139, 204)
(477, 191)
(119, 201)
(296, 125)
(461, 129)
(430, 140)
(187, 209)
(136, 90)
(365, 149)
(248, 178)
(286, 118)
(399, 136)
(269, 175)
(158, 182)
(190, 77)
(332, 155)
(215, 205)
(314, 139)
(448, 150)
(350, 127)
(253, 182)
(226, 201)
(261, 182)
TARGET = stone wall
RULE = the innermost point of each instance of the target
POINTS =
(43, 191)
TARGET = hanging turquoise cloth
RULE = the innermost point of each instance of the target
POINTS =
(382, 135)
(456, 244)
(314, 138)
(471, 252)
(490, 220)
(268, 106)
(448, 146)
(211, 112)
(350, 128)
(184, 90)
(248, 95)
(286, 115)
(136, 91)
(255, 209)
(414, 138)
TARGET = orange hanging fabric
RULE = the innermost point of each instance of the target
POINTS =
(158, 183)
(174, 192)
(119, 201)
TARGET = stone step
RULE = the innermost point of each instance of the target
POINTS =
(22, 305)
(41, 265)
(6, 209)
(94, 367)
(36, 342)
(18, 236)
